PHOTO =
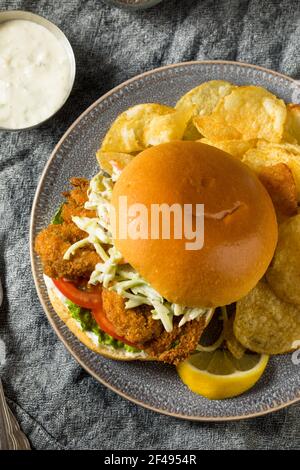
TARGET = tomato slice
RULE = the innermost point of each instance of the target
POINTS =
(107, 326)
(80, 297)
(92, 301)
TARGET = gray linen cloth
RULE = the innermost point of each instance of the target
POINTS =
(58, 405)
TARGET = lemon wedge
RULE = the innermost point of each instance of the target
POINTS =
(218, 374)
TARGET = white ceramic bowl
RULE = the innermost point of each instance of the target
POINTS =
(24, 15)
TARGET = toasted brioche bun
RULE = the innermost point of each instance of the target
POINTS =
(105, 350)
(240, 228)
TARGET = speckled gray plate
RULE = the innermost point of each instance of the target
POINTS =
(155, 386)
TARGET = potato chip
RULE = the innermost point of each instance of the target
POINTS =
(202, 100)
(292, 124)
(292, 149)
(264, 323)
(144, 125)
(237, 148)
(113, 163)
(248, 112)
(214, 127)
(161, 129)
(283, 274)
(233, 345)
(268, 154)
(280, 184)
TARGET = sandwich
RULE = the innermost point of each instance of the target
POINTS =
(151, 296)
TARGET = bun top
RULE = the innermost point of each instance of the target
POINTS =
(240, 228)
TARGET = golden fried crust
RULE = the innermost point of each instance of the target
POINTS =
(280, 184)
(52, 242)
(135, 325)
(75, 200)
(138, 327)
(51, 245)
(178, 345)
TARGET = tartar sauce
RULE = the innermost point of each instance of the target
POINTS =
(34, 74)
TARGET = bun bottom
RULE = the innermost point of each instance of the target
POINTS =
(102, 349)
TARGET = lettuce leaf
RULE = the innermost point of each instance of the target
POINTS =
(87, 323)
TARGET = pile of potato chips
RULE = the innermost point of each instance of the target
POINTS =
(258, 128)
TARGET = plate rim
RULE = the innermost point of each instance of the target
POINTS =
(32, 256)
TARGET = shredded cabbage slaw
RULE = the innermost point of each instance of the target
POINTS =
(111, 273)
